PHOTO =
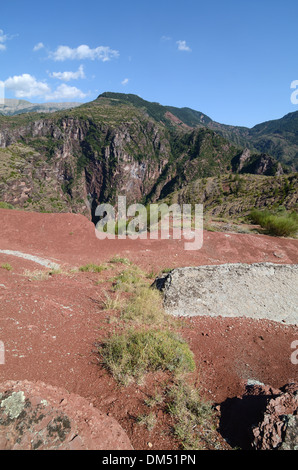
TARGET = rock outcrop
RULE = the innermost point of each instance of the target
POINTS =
(38, 416)
(279, 427)
(263, 418)
(259, 164)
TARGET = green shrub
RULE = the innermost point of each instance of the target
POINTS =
(281, 226)
(281, 223)
(131, 355)
(5, 205)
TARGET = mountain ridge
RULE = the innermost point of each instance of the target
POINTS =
(72, 160)
(256, 138)
(12, 107)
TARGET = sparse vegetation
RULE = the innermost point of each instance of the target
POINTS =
(41, 275)
(222, 201)
(194, 416)
(6, 266)
(167, 270)
(93, 268)
(110, 303)
(149, 421)
(154, 400)
(152, 275)
(129, 280)
(129, 356)
(117, 259)
(145, 308)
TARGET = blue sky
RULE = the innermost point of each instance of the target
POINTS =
(232, 60)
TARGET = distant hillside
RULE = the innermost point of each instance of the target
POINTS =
(278, 138)
(12, 107)
(234, 196)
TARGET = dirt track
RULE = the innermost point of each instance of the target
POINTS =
(49, 327)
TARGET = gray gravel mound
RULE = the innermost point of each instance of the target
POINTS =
(36, 259)
(259, 291)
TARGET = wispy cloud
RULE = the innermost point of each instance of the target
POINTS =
(103, 53)
(166, 38)
(125, 81)
(38, 46)
(3, 39)
(182, 46)
(67, 76)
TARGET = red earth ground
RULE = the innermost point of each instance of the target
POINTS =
(50, 327)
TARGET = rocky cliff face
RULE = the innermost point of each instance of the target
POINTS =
(258, 164)
(88, 160)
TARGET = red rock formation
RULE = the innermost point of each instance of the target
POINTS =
(34, 415)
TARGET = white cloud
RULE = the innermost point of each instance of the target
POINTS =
(26, 86)
(3, 39)
(125, 81)
(103, 53)
(67, 76)
(38, 46)
(166, 38)
(182, 46)
(65, 92)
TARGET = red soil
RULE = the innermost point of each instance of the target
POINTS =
(50, 328)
